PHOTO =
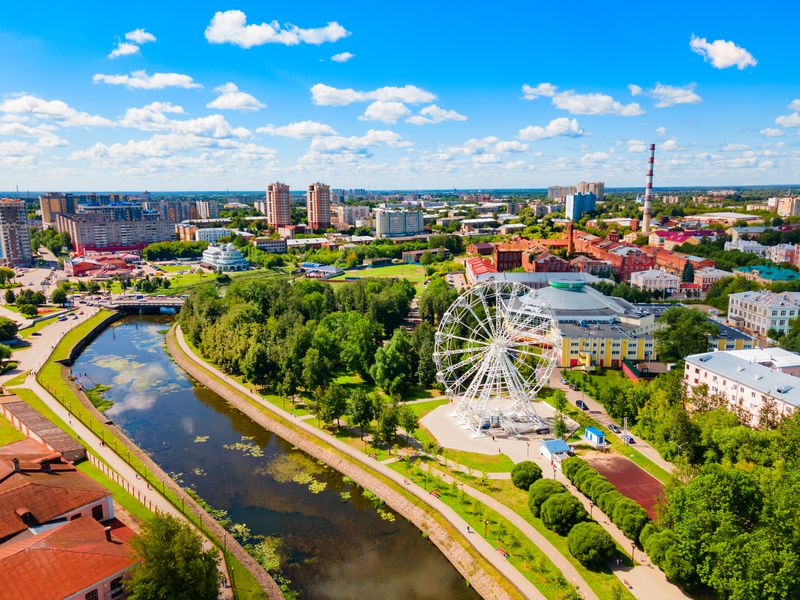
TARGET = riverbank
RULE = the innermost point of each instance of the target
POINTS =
(478, 562)
(53, 380)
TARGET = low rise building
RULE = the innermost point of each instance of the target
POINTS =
(273, 245)
(656, 280)
(667, 239)
(484, 248)
(211, 234)
(761, 311)
(781, 253)
(765, 275)
(747, 246)
(756, 392)
(224, 257)
(705, 277)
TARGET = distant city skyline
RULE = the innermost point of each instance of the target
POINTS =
(212, 97)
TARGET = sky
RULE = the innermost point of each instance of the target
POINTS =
(434, 95)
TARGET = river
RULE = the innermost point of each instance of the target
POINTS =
(336, 542)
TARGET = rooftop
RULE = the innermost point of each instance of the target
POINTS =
(770, 273)
(777, 357)
(783, 299)
(763, 379)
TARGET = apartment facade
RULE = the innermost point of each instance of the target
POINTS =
(53, 203)
(278, 205)
(395, 223)
(578, 204)
(597, 188)
(318, 206)
(749, 388)
(15, 236)
(760, 311)
(655, 280)
(94, 232)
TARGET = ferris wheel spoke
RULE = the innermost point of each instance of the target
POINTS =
(464, 362)
(453, 336)
(478, 321)
(488, 319)
(462, 350)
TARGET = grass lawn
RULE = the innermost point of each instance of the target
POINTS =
(488, 463)
(39, 325)
(601, 381)
(423, 408)
(524, 555)
(9, 433)
(504, 491)
(17, 379)
(414, 273)
(616, 444)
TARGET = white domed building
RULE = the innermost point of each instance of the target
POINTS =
(224, 257)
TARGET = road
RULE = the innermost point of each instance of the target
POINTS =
(599, 414)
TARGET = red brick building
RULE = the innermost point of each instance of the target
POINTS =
(507, 257)
(544, 262)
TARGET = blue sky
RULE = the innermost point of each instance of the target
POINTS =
(417, 95)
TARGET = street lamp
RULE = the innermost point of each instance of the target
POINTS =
(591, 509)
(527, 448)
(633, 546)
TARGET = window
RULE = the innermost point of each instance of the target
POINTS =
(97, 512)
(117, 587)
(93, 595)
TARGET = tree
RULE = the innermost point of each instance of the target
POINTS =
(435, 299)
(688, 272)
(316, 373)
(524, 474)
(173, 563)
(6, 275)
(590, 544)
(10, 297)
(561, 511)
(361, 409)
(59, 297)
(333, 404)
(540, 491)
(8, 329)
(560, 403)
(392, 366)
(27, 310)
(409, 420)
(388, 420)
(684, 331)
(5, 352)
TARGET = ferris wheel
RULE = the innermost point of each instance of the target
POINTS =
(496, 347)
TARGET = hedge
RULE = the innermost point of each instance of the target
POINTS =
(561, 511)
(590, 544)
(623, 512)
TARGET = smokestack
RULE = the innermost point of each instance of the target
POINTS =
(570, 237)
(648, 192)
(15, 462)
(108, 533)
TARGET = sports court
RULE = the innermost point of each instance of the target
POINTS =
(631, 480)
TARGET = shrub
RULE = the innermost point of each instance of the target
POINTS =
(657, 544)
(561, 511)
(590, 544)
(525, 473)
(8, 329)
(27, 310)
(647, 531)
(540, 491)
(629, 517)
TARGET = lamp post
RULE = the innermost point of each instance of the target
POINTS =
(633, 546)
(527, 449)
(591, 509)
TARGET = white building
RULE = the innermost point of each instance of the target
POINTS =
(275, 246)
(211, 234)
(761, 311)
(224, 258)
(748, 387)
(708, 276)
(655, 280)
(781, 253)
(345, 215)
(748, 246)
(392, 223)
(775, 358)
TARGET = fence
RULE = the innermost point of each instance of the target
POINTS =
(123, 483)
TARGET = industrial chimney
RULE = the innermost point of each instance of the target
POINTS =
(648, 192)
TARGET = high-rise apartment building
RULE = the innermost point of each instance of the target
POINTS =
(53, 203)
(15, 237)
(577, 204)
(277, 207)
(559, 192)
(389, 223)
(93, 231)
(207, 209)
(592, 187)
(318, 205)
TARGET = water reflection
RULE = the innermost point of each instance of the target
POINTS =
(338, 545)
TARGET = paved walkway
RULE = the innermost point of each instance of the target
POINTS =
(558, 559)
(598, 412)
(481, 545)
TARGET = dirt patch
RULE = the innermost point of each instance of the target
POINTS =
(630, 479)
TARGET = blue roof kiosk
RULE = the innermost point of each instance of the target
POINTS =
(594, 436)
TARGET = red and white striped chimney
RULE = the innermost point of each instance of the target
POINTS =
(648, 192)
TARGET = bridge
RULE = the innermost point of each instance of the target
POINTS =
(143, 305)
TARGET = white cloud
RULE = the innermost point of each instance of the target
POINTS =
(45, 134)
(594, 104)
(582, 104)
(670, 145)
(595, 156)
(562, 126)
(635, 89)
(124, 49)
(434, 114)
(358, 144)
(661, 131)
(342, 57)
(636, 145)
(792, 120)
(230, 27)
(794, 104)
(771, 132)
(140, 36)
(734, 147)
(140, 80)
(722, 54)
(386, 112)
(232, 98)
(325, 95)
(299, 130)
(57, 111)
(670, 95)
(543, 89)
(154, 117)
(511, 146)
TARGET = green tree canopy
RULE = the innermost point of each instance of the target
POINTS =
(683, 331)
(8, 329)
(590, 544)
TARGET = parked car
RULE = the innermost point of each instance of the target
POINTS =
(628, 439)
(543, 430)
(36, 333)
(581, 404)
(615, 428)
